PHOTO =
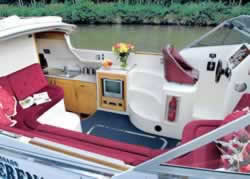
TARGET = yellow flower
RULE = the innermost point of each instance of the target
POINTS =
(119, 48)
(123, 49)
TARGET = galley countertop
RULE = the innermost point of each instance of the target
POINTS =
(71, 75)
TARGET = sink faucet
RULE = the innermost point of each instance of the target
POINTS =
(65, 70)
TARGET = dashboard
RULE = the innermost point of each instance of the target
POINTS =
(239, 56)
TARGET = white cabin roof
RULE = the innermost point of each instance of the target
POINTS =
(14, 26)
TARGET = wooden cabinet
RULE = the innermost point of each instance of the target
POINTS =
(79, 97)
(86, 97)
(69, 93)
(51, 81)
(113, 103)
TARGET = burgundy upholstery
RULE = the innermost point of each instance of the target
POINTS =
(27, 81)
(177, 69)
(233, 116)
(27, 118)
(207, 156)
(127, 157)
(5, 84)
(243, 102)
(100, 145)
(4, 119)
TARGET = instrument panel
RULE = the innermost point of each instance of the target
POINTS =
(239, 56)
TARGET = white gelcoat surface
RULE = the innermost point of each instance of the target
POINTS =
(210, 96)
(148, 93)
(16, 54)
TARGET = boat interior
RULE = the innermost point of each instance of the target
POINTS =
(124, 115)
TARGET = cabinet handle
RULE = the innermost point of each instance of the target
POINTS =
(82, 85)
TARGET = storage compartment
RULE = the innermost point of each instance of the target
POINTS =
(112, 91)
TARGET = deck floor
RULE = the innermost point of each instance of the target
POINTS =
(119, 128)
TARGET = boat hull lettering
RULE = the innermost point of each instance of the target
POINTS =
(9, 169)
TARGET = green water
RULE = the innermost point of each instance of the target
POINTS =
(144, 37)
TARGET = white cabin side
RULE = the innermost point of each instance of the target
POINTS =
(17, 53)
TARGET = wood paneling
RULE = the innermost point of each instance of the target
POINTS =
(81, 156)
(79, 97)
(50, 35)
(69, 93)
(85, 97)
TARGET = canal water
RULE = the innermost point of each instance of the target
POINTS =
(145, 37)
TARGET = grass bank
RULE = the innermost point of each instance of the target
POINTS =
(87, 12)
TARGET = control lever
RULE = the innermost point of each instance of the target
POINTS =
(228, 72)
(220, 71)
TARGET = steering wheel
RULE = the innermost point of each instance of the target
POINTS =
(219, 71)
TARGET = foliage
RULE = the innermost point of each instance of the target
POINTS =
(133, 11)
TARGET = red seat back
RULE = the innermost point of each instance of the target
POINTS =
(177, 69)
(27, 81)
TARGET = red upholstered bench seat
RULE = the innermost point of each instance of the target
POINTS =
(130, 154)
(24, 83)
(207, 156)
(101, 145)
(27, 118)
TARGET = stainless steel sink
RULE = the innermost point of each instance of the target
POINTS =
(62, 73)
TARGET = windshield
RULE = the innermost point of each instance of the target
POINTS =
(230, 32)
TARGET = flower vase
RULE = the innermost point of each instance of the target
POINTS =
(124, 61)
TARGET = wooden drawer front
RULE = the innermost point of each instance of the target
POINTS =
(113, 103)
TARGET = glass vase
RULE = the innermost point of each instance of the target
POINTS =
(124, 61)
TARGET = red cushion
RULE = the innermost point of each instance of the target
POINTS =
(180, 59)
(27, 118)
(27, 81)
(143, 151)
(243, 102)
(4, 119)
(234, 116)
(176, 69)
(124, 155)
(7, 102)
(5, 84)
(128, 158)
(207, 156)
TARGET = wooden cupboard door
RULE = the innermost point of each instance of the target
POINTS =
(86, 97)
(69, 94)
(51, 81)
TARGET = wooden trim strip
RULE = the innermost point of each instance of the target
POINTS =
(81, 156)
(148, 53)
